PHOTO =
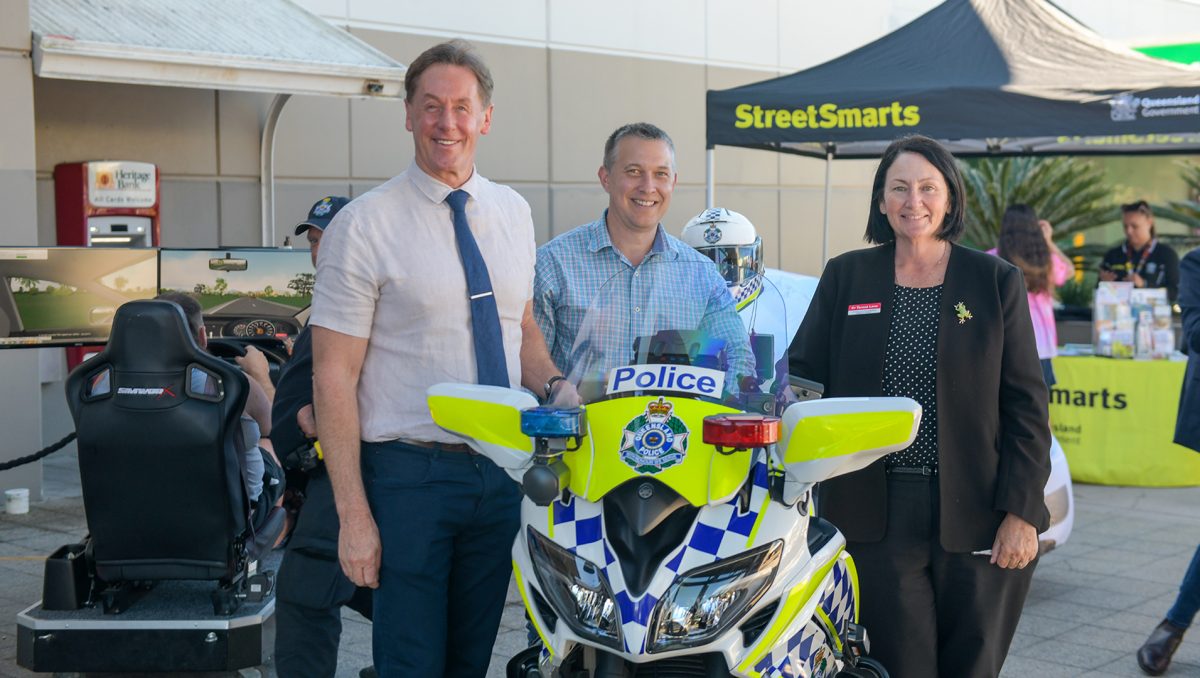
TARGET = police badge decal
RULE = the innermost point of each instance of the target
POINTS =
(712, 234)
(655, 440)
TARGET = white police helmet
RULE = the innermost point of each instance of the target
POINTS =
(730, 240)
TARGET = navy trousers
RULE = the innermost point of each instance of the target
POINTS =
(446, 521)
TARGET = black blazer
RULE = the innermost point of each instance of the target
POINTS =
(1187, 422)
(993, 426)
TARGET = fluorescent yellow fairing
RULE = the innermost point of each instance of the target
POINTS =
(853, 570)
(789, 608)
(703, 475)
(831, 629)
(532, 618)
(762, 513)
(838, 435)
(486, 422)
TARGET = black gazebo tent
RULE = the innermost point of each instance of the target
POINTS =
(985, 77)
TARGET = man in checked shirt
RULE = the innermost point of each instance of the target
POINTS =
(654, 280)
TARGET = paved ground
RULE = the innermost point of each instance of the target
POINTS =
(1093, 601)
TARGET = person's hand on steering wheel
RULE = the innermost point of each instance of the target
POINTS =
(255, 365)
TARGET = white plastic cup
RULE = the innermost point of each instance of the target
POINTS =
(16, 501)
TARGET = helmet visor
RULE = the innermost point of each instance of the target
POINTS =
(737, 263)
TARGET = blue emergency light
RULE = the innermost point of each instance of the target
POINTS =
(552, 422)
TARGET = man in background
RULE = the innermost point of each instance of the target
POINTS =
(311, 587)
(1154, 657)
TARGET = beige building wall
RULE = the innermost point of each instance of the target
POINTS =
(567, 73)
(20, 370)
(556, 99)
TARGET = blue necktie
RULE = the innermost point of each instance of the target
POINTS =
(485, 320)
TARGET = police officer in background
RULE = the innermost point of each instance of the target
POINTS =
(311, 586)
(770, 302)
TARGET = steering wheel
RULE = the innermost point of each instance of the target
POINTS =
(228, 349)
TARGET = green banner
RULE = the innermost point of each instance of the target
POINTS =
(1184, 52)
(1115, 420)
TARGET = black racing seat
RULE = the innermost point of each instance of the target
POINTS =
(157, 420)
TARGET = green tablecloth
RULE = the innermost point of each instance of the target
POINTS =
(1115, 420)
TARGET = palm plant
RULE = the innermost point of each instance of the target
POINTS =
(1186, 212)
(1070, 193)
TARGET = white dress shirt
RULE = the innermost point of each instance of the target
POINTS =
(389, 271)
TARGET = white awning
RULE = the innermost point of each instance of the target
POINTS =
(250, 45)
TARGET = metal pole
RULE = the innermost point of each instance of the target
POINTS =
(828, 197)
(710, 179)
(266, 169)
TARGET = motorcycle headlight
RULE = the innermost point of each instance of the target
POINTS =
(703, 603)
(577, 590)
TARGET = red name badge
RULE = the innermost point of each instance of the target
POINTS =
(864, 309)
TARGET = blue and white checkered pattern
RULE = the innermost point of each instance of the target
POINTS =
(674, 288)
(797, 655)
(746, 292)
(838, 601)
(723, 530)
(719, 532)
(577, 528)
(793, 659)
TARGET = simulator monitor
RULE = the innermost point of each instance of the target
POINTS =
(68, 296)
(245, 293)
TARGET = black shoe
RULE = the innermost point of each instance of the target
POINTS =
(1154, 657)
(368, 672)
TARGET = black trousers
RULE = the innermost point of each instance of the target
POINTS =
(307, 636)
(311, 590)
(929, 612)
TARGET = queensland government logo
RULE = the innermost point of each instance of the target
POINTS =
(1124, 108)
(655, 440)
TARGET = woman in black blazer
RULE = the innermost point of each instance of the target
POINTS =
(944, 534)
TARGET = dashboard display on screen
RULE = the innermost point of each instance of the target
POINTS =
(243, 292)
(67, 296)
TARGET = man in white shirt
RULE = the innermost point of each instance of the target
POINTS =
(402, 306)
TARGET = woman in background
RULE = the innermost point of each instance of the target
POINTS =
(1142, 259)
(1026, 242)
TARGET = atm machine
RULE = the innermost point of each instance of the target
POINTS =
(105, 203)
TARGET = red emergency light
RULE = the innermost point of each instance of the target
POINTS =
(740, 431)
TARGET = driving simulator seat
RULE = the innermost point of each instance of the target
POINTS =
(159, 440)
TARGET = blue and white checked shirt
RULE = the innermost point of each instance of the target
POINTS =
(674, 288)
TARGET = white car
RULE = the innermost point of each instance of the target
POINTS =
(797, 291)
(1060, 499)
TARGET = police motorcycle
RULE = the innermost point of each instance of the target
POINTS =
(667, 522)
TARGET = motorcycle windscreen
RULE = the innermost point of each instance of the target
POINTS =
(658, 349)
(827, 438)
